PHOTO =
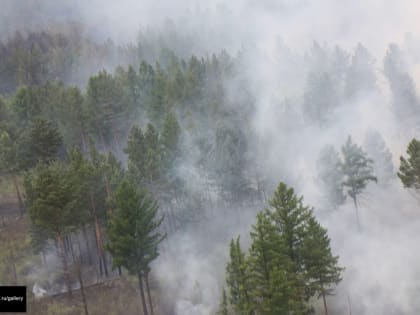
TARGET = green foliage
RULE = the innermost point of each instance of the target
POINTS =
(105, 106)
(135, 150)
(223, 307)
(320, 98)
(290, 217)
(13, 251)
(289, 260)
(381, 155)
(53, 200)
(15, 150)
(331, 176)
(270, 270)
(321, 267)
(409, 171)
(144, 155)
(357, 169)
(133, 230)
(229, 161)
(237, 279)
(170, 138)
(45, 141)
(25, 106)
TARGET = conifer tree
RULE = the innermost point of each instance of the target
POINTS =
(136, 151)
(153, 155)
(170, 138)
(105, 102)
(45, 141)
(331, 176)
(321, 267)
(170, 153)
(54, 203)
(409, 169)
(405, 100)
(223, 307)
(358, 171)
(376, 148)
(360, 76)
(144, 156)
(133, 233)
(290, 218)
(236, 279)
(320, 99)
(289, 261)
(14, 158)
(269, 269)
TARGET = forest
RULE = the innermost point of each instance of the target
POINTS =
(214, 173)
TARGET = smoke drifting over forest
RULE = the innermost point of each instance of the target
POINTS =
(307, 75)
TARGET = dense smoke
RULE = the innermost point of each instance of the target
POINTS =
(357, 60)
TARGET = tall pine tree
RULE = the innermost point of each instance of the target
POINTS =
(358, 171)
(133, 234)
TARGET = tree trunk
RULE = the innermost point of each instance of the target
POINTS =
(325, 302)
(79, 276)
(85, 235)
(98, 235)
(105, 263)
(98, 255)
(357, 214)
(82, 289)
(149, 297)
(64, 261)
(143, 299)
(19, 196)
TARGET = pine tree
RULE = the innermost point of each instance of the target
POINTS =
(133, 233)
(236, 279)
(290, 218)
(320, 99)
(376, 148)
(153, 163)
(156, 107)
(136, 151)
(228, 161)
(410, 168)
(45, 141)
(358, 171)
(289, 261)
(290, 215)
(54, 204)
(360, 76)
(170, 138)
(405, 101)
(223, 307)
(105, 103)
(269, 269)
(321, 267)
(170, 153)
(331, 176)
(14, 158)
(144, 156)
